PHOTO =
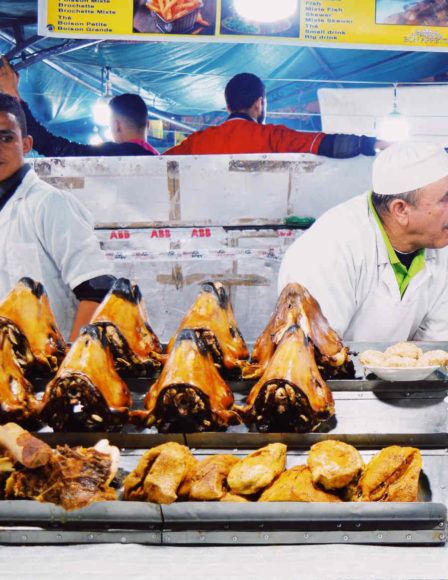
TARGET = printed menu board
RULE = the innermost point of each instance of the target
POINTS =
(390, 24)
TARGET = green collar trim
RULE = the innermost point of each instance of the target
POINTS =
(403, 275)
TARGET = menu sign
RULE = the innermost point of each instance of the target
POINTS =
(390, 24)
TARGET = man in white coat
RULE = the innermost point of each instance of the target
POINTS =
(378, 263)
(45, 234)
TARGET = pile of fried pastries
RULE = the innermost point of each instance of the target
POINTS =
(75, 477)
(404, 355)
(86, 391)
(334, 472)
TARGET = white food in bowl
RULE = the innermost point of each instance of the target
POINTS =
(371, 358)
(404, 349)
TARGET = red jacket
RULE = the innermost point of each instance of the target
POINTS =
(241, 136)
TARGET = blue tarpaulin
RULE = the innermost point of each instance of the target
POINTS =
(186, 79)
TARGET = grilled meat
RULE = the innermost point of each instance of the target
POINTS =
(190, 394)
(22, 447)
(87, 394)
(17, 401)
(257, 470)
(391, 475)
(159, 474)
(34, 327)
(334, 464)
(123, 317)
(291, 396)
(296, 306)
(73, 478)
(296, 484)
(212, 317)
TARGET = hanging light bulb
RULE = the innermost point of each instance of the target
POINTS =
(265, 12)
(394, 126)
(100, 110)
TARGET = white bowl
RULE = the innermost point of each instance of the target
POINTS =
(401, 373)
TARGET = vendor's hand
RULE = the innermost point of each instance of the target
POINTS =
(9, 79)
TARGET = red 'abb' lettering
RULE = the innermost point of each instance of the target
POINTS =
(161, 234)
(120, 235)
(201, 233)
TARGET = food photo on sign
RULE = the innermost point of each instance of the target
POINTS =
(248, 18)
(175, 16)
(405, 13)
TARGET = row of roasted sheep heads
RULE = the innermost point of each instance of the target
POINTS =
(291, 359)
(75, 477)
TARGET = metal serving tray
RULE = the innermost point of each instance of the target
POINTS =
(424, 522)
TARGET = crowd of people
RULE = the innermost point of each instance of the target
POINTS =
(377, 264)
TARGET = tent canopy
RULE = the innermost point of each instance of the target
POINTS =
(61, 79)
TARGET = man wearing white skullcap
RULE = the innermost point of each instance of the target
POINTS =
(378, 263)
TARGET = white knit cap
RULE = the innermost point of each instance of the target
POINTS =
(408, 165)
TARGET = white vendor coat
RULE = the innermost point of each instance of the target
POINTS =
(342, 260)
(48, 235)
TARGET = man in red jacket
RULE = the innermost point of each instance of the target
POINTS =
(245, 132)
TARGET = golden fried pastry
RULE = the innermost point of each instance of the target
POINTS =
(391, 475)
(433, 358)
(372, 358)
(159, 474)
(404, 349)
(231, 497)
(257, 470)
(209, 480)
(334, 464)
(396, 361)
(296, 484)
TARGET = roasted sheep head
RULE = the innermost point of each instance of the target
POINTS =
(159, 474)
(296, 484)
(28, 309)
(212, 317)
(291, 396)
(296, 306)
(190, 394)
(17, 401)
(72, 477)
(391, 475)
(123, 317)
(87, 394)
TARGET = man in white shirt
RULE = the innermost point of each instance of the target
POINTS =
(45, 234)
(378, 263)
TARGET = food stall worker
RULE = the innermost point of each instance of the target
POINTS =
(45, 233)
(378, 263)
(128, 126)
(245, 131)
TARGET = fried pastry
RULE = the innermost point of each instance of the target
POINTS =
(404, 349)
(209, 479)
(257, 470)
(372, 358)
(396, 361)
(231, 497)
(434, 358)
(334, 464)
(391, 475)
(296, 484)
(159, 474)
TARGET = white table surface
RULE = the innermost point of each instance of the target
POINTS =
(132, 562)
